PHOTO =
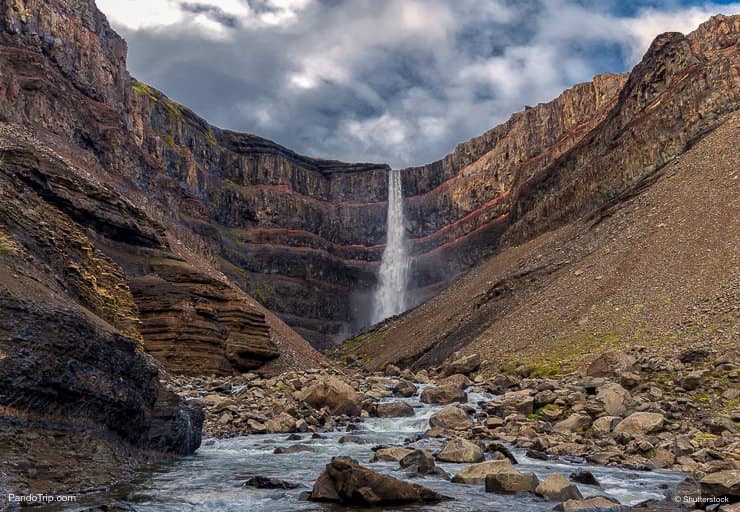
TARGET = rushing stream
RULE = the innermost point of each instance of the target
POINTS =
(212, 479)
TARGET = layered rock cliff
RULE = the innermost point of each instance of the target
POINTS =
(304, 236)
(651, 268)
(81, 403)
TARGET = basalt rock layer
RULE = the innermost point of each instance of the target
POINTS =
(81, 403)
(304, 236)
(301, 235)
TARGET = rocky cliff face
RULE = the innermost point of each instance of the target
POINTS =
(304, 236)
(73, 373)
(556, 225)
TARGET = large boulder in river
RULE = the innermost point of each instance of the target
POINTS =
(418, 462)
(334, 394)
(640, 423)
(404, 388)
(591, 505)
(511, 482)
(460, 450)
(557, 487)
(345, 481)
(392, 454)
(452, 418)
(465, 365)
(442, 395)
(476, 473)
(393, 409)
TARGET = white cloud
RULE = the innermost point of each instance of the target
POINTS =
(400, 81)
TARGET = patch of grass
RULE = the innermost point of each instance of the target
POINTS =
(266, 295)
(536, 415)
(211, 137)
(6, 247)
(544, 370)
(143, 89)
(704, 437)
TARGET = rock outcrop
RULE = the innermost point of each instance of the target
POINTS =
(302, 235)
(572, 212)
(344, 481)
(74, 376)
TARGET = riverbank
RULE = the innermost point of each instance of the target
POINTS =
(621, 414)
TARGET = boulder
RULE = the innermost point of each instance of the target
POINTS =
(511, 482)
(558, 488)
(452, 418)
(640, 423)
(295, 448)
(477, 473)
(584, 477)
(334, 394)
(280, 424)
(722, 483)
(591, 505)
(609, 364)
(573, 423)
(512, 402)
(345, 481)
(418, 462)
(392, 454)
(693, 380)
(442, 395)
(614, 398)
(263, 482)
(391, 370)
(457, 380)
(351, 439)
(465, 365)
(404, 389)
(460, 450)
(501, 450)
(393, 410)
(604, 425)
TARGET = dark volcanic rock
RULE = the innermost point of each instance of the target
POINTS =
(347, 482)
(263, 482)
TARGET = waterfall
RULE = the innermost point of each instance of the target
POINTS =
(390, 296)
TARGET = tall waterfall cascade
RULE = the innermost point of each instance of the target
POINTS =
(390, 296)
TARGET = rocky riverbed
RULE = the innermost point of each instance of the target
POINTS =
(616, 436)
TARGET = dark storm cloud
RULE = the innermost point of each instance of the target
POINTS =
(400, 81)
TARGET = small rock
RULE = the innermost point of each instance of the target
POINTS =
(558, 488)
(393, 410)
(476, 473)
(263, 482)
(511, 482)
(584, 477)
(640, 423)
(442, 395)
(451, 417)
(460, 450)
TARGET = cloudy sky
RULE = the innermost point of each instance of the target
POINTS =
(397, 81)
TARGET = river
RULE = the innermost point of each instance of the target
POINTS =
(212, 479)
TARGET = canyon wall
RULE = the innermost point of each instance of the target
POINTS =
(302, 235)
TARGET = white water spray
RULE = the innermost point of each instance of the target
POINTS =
(390, 296)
